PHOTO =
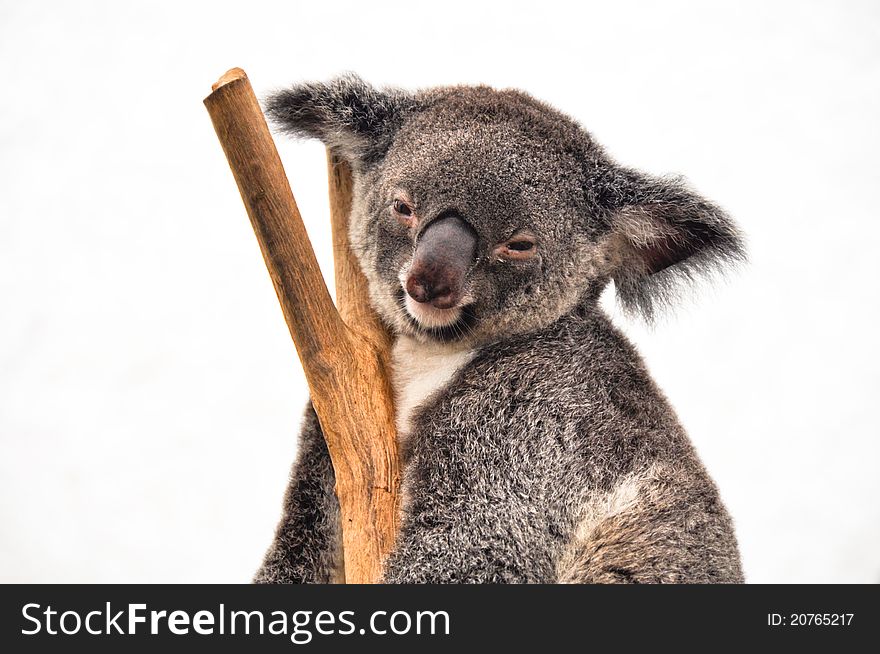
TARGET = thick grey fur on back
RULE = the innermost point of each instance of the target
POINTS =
(550, 456)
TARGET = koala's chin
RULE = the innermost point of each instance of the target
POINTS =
(426, 322)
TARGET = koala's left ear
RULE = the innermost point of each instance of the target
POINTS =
(353, 118)
(664, 234)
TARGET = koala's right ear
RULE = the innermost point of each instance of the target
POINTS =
(351, 117)
(666, 236)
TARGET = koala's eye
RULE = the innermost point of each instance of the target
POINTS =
(522, 246)
(403, 212)
(402, 208)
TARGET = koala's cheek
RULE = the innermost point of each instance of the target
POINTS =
(392, 250)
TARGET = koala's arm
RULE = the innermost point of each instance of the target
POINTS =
(307, 544)
(462, 550)
(468, 520)
(675, 530)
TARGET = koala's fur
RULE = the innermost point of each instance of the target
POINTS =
(536, 447)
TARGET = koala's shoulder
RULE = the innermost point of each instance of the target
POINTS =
(577, 353)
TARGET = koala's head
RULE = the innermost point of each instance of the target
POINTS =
(480, 213)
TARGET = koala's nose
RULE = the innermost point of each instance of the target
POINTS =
(440, 296)
(444, 253)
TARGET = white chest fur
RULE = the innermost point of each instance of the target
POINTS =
(418, 371)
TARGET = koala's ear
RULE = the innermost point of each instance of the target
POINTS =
(350, 116)
(665, 236)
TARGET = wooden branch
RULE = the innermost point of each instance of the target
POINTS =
(345, 364)
(352, 297)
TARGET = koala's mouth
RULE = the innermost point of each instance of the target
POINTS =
(441, 324)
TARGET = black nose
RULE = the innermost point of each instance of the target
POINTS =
(440, 295)
(445, 252)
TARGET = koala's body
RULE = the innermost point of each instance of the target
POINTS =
(535, 446)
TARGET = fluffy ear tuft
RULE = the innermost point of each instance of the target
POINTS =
(350, 116)
(668, 236)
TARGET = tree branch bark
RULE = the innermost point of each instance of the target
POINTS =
(344, 357)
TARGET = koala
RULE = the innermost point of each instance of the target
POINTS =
(534, 444)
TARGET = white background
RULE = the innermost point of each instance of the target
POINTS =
(149, 391)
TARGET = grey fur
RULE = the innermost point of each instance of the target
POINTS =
(550, 455)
